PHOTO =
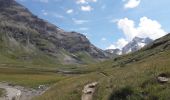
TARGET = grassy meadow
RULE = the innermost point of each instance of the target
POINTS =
(128, 77)
(134, 81)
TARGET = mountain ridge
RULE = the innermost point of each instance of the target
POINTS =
(21, 27)
(136, 44)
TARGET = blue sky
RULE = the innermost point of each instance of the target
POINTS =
(106, 23)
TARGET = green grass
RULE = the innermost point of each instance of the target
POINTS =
(85, 57)
(29, 77)
(127, 77)
(135, 75)
(69, 89)
(135, 81)
(2, 92)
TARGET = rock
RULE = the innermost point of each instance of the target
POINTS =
(93, 85)
(88, 91)
(41, 87)
(162, 78)
(89, 88)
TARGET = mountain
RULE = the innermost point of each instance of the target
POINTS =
(136, 44)
(22, 31)
(158, 46)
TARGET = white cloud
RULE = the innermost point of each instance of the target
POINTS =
(83, 29)
(45, 13)
(85, 1)
(69, 11)
(81, 1)
(103, 39)
(44, 1)
(119, 44)
(146, 28)
(85, 4)
(57, 15)
(52, 14)
(93, 0)
(132, 3)
(86, 8)
(128, 28)
(76, 21)
(112, 46)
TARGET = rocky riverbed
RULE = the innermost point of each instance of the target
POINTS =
(19, 92)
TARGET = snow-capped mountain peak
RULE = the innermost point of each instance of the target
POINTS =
(136, 44)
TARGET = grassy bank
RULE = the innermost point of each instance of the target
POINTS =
(134, 81)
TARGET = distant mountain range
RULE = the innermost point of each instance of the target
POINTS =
(134, 45)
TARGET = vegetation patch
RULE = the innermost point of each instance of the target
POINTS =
(126, 93)
(2, 92)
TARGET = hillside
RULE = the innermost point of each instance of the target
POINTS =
(24, 33)
(158, 46)
(128, 77)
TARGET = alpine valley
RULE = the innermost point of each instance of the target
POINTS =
(40, 61)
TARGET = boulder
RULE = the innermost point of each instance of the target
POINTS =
(163, 78)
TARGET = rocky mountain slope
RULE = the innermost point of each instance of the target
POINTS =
(136, 44)
(21, 30)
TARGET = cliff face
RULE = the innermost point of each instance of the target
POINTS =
(18, 24)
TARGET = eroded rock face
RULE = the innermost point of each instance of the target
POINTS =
(18, 23)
